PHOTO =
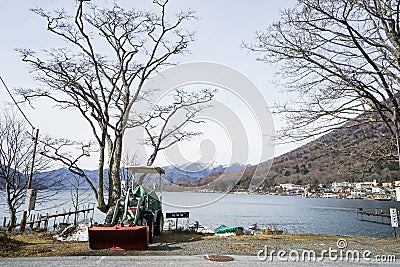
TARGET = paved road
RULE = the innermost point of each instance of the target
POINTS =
(161, 261)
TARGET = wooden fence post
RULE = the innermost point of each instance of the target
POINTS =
(39, 221)
(46, 222)
(23, 221)
(32, 220)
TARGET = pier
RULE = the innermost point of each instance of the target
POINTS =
(376, 215)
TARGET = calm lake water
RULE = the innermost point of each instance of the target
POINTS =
(295, 214)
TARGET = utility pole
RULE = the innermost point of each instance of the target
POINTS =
(30, 194)
(33, 158)
(396, 128)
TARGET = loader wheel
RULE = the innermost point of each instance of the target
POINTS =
(150, 224)
(158, 227)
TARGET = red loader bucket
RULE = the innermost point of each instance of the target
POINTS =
(119, 237)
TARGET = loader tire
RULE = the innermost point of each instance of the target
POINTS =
(158, 227)
(150, 224)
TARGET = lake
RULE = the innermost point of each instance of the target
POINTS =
(295, 214)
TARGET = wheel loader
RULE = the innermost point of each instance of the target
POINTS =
(136, 217)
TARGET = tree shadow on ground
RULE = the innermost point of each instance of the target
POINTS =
(173, 240)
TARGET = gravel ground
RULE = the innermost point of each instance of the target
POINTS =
(192, 244)
(251, 246)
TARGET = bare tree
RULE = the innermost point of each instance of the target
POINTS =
(111, 53)
(338, 59)
(68, 153)
(80, 194)
(15, 163)
(161, 129)
(164, 124)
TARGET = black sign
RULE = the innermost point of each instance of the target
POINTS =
(182, 214)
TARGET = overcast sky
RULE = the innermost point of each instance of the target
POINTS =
(222, 26)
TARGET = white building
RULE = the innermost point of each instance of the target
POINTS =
(291, 187)
(366, 185)
(358, 194)
(377, 190)
(387, 185)
(336, 187)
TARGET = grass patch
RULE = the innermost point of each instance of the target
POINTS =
(36, 244)
(44, 245)
(9, 245)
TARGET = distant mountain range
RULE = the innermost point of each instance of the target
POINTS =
(194, 171)
(351, 153)
(64, 179)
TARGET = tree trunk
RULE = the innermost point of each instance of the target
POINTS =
(13, 220)
(115, 153)
(12, 212)
(101, 205)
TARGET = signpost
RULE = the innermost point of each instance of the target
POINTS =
(177, 215)
(181, 214)
(30, 199)
(397, 193)
(394, 220)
